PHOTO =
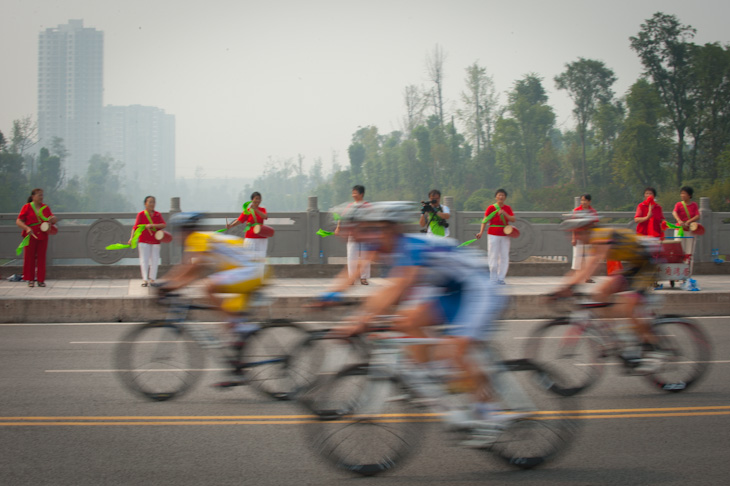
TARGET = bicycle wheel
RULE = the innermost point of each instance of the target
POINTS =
(381, 431)
(689, 354)
(551, 423)
(158, 360)
(573, 352)
(266, 359)
(328, 359)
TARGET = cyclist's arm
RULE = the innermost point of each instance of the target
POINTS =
(188, 271)
(401, 280)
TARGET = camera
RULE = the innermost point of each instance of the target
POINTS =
(426, 206)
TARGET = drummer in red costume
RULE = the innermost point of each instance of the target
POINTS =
(649, 216)
(498, 216)
(148, 244)
(36, 220)
(685, 213)
(253, 215)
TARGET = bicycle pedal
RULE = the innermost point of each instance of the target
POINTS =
(229, 384)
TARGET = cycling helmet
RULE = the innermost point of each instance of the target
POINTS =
(578, 219)
(390, 211)
(187, 221)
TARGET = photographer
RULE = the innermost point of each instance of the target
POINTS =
(434, 215)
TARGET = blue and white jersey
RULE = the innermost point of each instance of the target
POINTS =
(444, 262)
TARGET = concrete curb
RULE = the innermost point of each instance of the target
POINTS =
(138, 309)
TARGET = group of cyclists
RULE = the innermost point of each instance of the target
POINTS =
(430, 282)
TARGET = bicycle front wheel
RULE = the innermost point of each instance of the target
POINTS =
(379, 432)
(688, 354)
(549, 421)
(267, 358)
(572, 351)
(158, 360)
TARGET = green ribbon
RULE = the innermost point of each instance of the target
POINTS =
(467, 243)
(324, 234)
(135, 238)
(117, 246)
(23, 244)
(679, 228)
(493, 214)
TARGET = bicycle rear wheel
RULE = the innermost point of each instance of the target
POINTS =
(572, 351)
(552, 422)
(328, 359)
(380, 431)
(267, 360)
(689, 354)
(158, 360)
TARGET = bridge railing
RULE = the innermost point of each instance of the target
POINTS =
(82, 237)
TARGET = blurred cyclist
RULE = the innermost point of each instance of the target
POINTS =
(636, 278)
(437, 283)
(229, 268)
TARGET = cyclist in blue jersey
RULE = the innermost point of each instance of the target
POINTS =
(433, 283)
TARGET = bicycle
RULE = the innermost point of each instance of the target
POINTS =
(385, 402)
(579, 345)
(163, 359)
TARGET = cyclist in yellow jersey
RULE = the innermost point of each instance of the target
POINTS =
(222, 259)
(636, 278)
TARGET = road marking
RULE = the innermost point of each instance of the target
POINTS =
(382, 418)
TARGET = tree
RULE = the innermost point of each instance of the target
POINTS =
(663, 48)
(24, 135)
(13, 184)
(435, 70)
(415, 102)
(588, 83)
(480, 103)
(522, 136)
(102, 184)
(643, 147)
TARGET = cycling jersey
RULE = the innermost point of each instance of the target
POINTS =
(235, 272)
(634, 251)
(455, 280)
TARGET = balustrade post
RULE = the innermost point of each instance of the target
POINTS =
(172, 253)
(705, 243)
(311, 240)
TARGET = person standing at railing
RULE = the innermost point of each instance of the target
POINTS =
(685, 213)
(649, 216)
(148, 244)
(580, 249)
(498, 216)
(252, 215)
(36, 220)
(357, 261)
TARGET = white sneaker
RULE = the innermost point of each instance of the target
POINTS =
(651, 362)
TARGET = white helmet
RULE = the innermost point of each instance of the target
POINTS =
(390, 211)
(578, 219)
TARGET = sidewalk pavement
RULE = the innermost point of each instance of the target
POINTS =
(125, 300)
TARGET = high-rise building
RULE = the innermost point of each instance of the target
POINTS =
(143, 139)
(70, 90)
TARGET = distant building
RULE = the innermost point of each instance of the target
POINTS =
(70, 89)
(143, 139)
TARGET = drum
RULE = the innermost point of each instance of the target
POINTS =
(263, 230)
(163, 236)
(45, 226)
(511, 231)
(697, 228)
(53, 230)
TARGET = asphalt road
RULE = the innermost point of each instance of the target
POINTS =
(65, 419)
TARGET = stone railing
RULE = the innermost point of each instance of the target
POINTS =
(82, 237)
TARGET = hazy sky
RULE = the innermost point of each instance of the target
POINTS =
(249, 80)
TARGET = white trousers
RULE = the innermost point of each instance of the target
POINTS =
(149, 260)
(354, 254)
(498, 256)
(257, 247)
(580, 253)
